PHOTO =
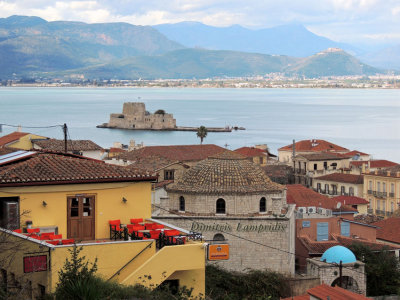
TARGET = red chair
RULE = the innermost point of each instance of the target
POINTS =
(155, 234)
(18, 230)
(67, 242)
(34, 236)
(115, 229)
(53, 242)
(149, 225)
(158, 226)
(172, 232)
(134, 227)
(57, 237)
(47, 235)
(136, 221)
(33, 230)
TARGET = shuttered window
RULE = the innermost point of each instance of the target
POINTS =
(345, 228)
(322, 231)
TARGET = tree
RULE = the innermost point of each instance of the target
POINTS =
(201, 133)
(382, 269)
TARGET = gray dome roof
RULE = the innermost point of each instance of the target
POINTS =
(225, 173)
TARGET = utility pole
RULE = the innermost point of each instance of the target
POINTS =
(340, 274)
(65, 138)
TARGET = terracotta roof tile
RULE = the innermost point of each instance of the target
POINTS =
(58, 145)
(324, 291)
(350, 200)
(305, 197)
(151, 163)
(251, 151)
(116, 150)
(179, 152)
(314, 146)
(375, 246)
(355, 152)
(42, 169)
(6, 150)
(225, 173)
(341, 177)
(322, 156)
(388, 172)
(388, 229)
(12, 137)
(380, 163)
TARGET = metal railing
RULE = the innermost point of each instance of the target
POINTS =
(369, 192)
(391, 195)
(370, 211)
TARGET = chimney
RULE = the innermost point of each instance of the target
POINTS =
(19, 128)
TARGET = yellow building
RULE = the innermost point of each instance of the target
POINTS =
(76, 198)
(19, 140)
(382, 190)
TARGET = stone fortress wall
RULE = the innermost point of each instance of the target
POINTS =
(135, 116)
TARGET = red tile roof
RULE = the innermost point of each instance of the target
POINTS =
(322, 156)
(116, 150)
(179, 152)
(355, 152)
(388, 230)
(381, 163)
(324, 292)
(44, 169)
(251, 151)
(350, 200)
(12, 137)
(314, 146)
(305, 197)
(340, 177)
(6, 150)
(59, 145)
(319, 247)
(387, 172)
(152, 163)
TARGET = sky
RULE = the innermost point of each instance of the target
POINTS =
(361, 21)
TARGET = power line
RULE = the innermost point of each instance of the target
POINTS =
(252, 241)
(35, 127)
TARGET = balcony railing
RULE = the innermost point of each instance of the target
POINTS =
(380, 212)
(389, 213)
(369, 192)
(391, 195)
(333, 193)
(370, 211)
(344, 194)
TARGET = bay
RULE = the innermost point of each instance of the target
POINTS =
(362, 119)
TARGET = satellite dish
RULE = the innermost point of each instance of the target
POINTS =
(339, 205)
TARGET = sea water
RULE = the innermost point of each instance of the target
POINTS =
(359, 119)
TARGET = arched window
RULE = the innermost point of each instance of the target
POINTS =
(181, 203)
(218, 237)
(263, 204)
(221, 209)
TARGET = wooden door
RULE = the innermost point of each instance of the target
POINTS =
(81, 217)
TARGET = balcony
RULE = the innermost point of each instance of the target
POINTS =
(391, 195)
(369, 192)
(301, 171)
(332, 193)
(380, 212)
(370, 211)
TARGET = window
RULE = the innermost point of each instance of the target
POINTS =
(322, 231)
(168, 174)
(318, 187)
(334, 189)
(263, 205)
(345, 228)
(378, 204)
(342, 190)
(391, 207)
(383, 205)
(384, 187)
(35, 263)
(326, 188)
(181, 203)
(334, 166)
(9, 213)
(221, 209)
(325, 165)
(351, 191)
(370, 185)
(219, 237)
(378, 187)
(315, 166)
(392, 188)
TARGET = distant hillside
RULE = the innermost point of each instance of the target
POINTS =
(332, 62)
(29, 44)
(189, 63)
(388, 58)
(198, 63)
(291, 40)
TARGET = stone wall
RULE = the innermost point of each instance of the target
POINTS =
(235, 204)
(254, 243)
(328, 273)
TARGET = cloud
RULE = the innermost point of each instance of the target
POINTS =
(338, 19)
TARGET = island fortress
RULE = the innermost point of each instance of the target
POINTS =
(135, 116)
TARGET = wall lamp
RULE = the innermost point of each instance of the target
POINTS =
(124, 200)
(44, 203)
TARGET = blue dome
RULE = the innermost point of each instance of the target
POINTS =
(336, 254)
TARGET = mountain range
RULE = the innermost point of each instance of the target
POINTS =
(31, 47)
